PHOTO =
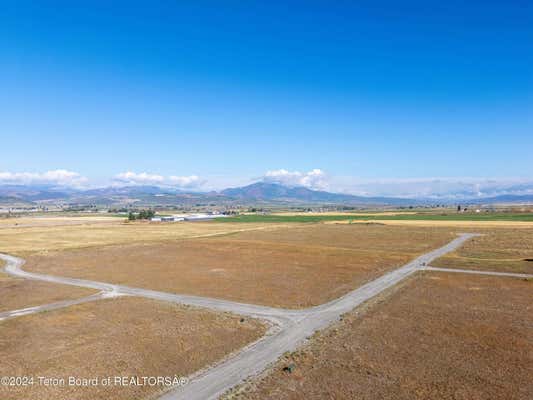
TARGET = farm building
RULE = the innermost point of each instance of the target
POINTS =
(167, 219)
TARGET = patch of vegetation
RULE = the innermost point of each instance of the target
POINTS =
(143, 214)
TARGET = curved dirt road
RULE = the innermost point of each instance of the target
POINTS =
(290, 327)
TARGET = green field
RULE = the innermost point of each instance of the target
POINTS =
(404, 217)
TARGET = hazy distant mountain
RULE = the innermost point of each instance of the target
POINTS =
(504, 199)
(256, 193)
(275, 192)
(127, 191)
(143, 196)
(33, 193)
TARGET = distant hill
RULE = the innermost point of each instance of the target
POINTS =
(275, 192)
(127, 191)
(504, 199)
(31, 193)
(263, 193)
(144, 196)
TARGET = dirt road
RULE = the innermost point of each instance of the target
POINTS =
(290, 328)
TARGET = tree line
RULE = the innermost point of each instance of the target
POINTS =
(143, 214)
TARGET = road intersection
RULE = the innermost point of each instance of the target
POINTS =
(288, 328)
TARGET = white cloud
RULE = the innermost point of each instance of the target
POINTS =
(314, 179)
(186, 181)
(60, 177)
(144, 178)
(435, 188)
(429, 188)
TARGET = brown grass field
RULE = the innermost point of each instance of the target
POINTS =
(48, 221)
(16, 293)
(70, 233)
(291, 267)
(371, 237)
(118, 337)
(503, 250)
(438, 336)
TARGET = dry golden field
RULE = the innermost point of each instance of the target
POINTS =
(438, 336)
(371, 237)
(16, 293)
(293, 267)
(44, 221)
(503, 250)
(69, 233)
(117, 337)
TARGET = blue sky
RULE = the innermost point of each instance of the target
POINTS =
(226, 91)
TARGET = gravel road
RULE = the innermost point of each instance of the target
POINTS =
(290, 328)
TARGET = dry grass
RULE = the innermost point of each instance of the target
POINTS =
(497, 250)
(30, 239)
(371, 237)
(36, 221)
(16, 293)
(292, 267)
(440, 336)
(120, 337)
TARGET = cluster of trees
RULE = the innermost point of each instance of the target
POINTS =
(89, 207)
(117, 210)
(230, 212)
(143, 214)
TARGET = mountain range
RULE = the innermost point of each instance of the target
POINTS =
(260, 193)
